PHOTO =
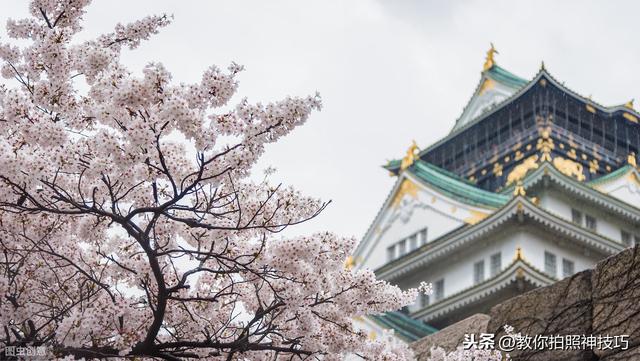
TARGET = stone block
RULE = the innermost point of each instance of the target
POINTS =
(451, 337)
(616, 297)
(563, 308)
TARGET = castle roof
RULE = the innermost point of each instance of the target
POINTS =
(456, 187)
(506, 130)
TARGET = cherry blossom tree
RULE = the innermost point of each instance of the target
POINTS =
(130, 226)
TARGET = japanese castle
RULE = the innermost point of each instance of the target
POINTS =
(533, 184)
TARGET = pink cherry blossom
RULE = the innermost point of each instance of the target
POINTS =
(130, 226)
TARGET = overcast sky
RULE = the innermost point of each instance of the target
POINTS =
(388, 71)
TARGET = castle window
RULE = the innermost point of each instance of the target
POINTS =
(402, 248)
(391, 253)
(496, 263)
(424, 300)
(576, 216)
(423, 236)
(625, 237)
(590, 222)
(413, 242)
(550, 263)
(478, 271)
(568, 268)
(438, 290)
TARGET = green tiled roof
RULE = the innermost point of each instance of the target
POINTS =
(506, 77)
(611, 176)
(456, 187)
(404, 326)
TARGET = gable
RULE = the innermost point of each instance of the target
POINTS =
(625, 188)
(411, 207)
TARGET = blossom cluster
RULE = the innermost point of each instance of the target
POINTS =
(129, 223)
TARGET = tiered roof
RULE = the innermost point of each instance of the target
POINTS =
(456, 187)
(484, 148)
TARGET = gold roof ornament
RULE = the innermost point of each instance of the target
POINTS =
(519, 255)
(629, 104)
(631, 159)
(519, 190)
(489, 62)
(410, 157)
(407, 188)
(630, 117)
(594, 166)
(522, 169)
(569, 168)
(475, 217)
(497, 169)
(545, 144)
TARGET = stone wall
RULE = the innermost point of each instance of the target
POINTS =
(601, 301)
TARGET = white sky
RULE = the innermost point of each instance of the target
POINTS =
(388, 71)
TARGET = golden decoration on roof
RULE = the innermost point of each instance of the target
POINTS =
(590, 109)
(475, 217)
(633, 177)
(410, 157)
(497, 169)
(406, 188)
(631, 159)
(545, 144)
(569, 168)
(517, 146)
(519, 190)
(594, 166)
(629, 104)
(487, 84)
(572, 153)
(519, 255)
(489, 60)
(522, 169)
(519, 155)
(630, 117)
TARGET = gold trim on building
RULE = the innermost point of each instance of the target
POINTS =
(522, 169)
(569, 168)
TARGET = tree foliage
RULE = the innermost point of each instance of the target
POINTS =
(130, 226)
